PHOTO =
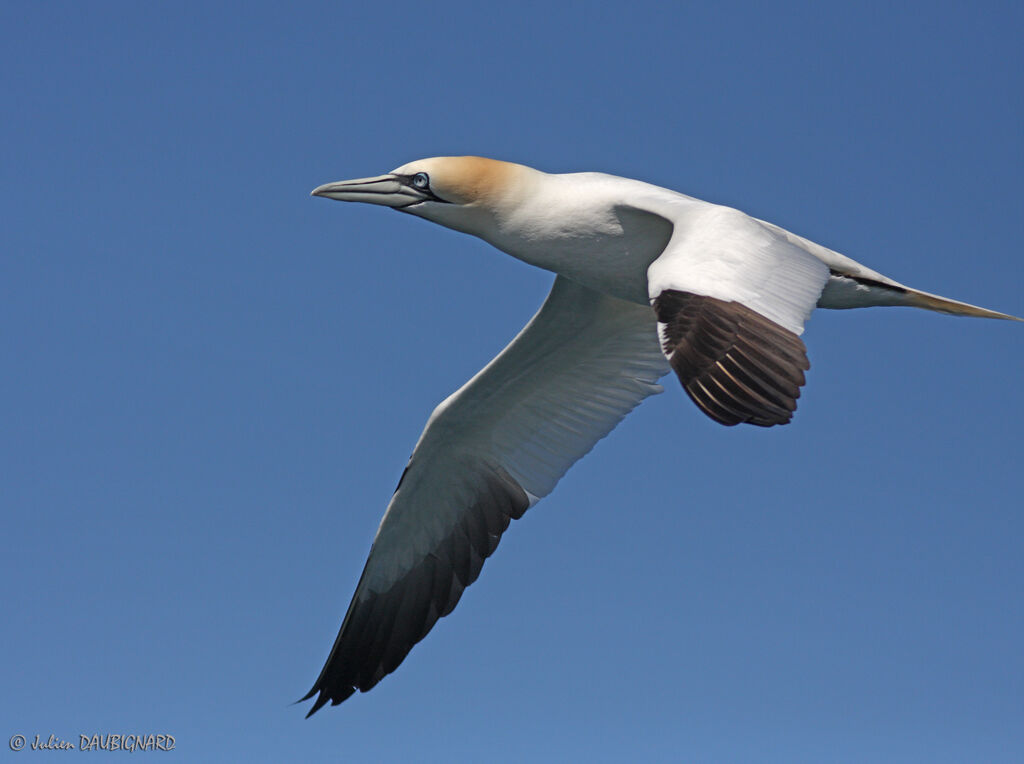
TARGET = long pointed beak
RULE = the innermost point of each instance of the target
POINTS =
(388, 190)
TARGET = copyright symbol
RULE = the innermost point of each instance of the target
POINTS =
(17, 742)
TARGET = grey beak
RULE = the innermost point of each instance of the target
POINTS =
(387, 190)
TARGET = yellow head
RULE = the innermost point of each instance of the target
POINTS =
(465, 180)
(462, 181)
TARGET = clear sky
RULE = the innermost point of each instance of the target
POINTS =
(211, 383)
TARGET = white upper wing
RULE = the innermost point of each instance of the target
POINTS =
(487, 454)
(732, 295)
(723, 253)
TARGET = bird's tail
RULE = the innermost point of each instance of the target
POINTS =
(857, 287)
(919, 299)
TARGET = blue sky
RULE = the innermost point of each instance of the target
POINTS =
(212, 383)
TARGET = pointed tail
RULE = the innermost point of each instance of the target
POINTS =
(920, 299)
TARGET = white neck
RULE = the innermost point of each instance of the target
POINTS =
(578, 225)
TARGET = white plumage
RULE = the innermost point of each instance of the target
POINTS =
(648, 280)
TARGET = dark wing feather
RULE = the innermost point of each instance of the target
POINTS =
(380, 628)
(734, 363)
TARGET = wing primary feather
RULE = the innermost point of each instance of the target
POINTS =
(736, 365)
(740, 392)
(758, 385)
(381, 627)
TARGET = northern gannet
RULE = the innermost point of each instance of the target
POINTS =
(647, 280)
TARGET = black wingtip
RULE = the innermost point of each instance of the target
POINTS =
(319, 703)
(323, 698)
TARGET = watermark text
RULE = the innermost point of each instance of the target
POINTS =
(110, 741)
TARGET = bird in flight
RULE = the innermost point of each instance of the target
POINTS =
(647, 281)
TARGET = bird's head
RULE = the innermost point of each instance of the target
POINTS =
(464, 193)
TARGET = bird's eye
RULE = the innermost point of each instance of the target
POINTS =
(421, 180)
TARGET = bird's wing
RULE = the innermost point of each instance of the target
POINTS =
(731, 296)
(487, 454)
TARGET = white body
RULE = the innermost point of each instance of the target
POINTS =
(592, 353)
